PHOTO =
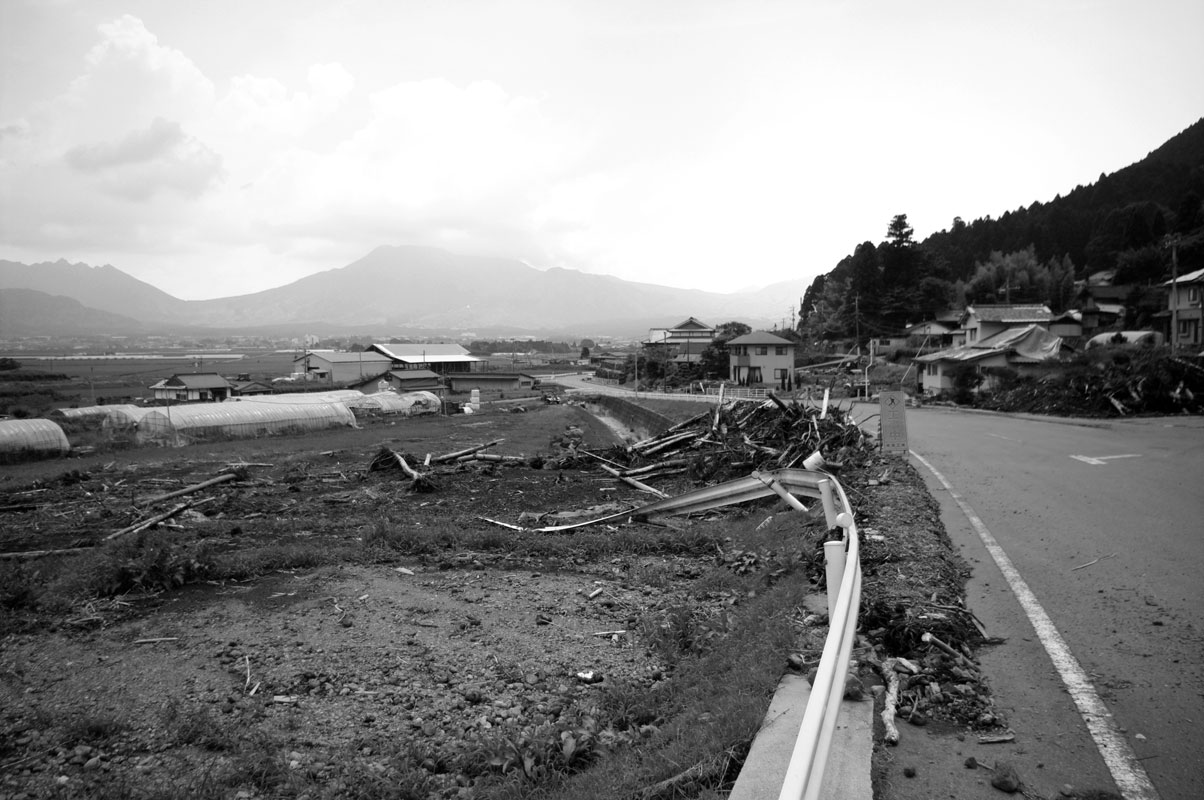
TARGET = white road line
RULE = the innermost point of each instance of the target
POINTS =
(1131, 778)
(1100, 461)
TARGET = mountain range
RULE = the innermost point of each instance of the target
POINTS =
(394, 291)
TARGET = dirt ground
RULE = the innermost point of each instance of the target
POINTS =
(366, 674)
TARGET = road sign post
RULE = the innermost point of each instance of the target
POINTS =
(892, 423)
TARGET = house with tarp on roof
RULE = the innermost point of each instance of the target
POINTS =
(982, 321)
(1028, 349)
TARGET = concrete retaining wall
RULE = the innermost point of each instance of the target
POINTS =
(632, 415)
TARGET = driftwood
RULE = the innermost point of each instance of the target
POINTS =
(29, 554)
(468, 451)
(675, 463)
(488, 457)
(643, 487)
(155, 520)
(389, 459)
(650, 446)
(229, 476)
(887, 668)
(928, 638)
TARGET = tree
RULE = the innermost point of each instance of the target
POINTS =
(900, 260)
(730, 330)
(899, 233)
(584, 353)
(933, 295)
(714, 361)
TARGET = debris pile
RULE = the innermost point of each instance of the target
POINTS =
(1114, 383)
(734, 440)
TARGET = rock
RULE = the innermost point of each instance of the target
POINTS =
(971, 763)
(909, 772)
(92, 763)
(853, 690)
(1005, 778)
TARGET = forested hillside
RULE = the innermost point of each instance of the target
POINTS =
(1130, 221)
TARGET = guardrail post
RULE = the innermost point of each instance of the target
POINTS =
(834, 570)
(825, 494)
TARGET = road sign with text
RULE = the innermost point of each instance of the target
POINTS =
(893, 423)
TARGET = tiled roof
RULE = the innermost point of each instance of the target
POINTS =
(693, 323)
(202, 380)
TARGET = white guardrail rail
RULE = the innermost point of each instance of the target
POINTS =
(805, 774)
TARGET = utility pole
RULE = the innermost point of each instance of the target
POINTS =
(857, 319)
(1172, 241)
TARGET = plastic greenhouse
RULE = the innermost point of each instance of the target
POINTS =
(119, 414)
(408, 404)
(348, 397)
(185, 424)
(22, 439)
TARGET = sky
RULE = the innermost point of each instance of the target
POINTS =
(220, 148)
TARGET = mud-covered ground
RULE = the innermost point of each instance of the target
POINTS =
(383, 656)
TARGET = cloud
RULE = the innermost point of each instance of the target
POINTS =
(155, 142)
(143, 163)
(130, 79)
(265, 108)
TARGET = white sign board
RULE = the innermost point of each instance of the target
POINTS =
(893, 425)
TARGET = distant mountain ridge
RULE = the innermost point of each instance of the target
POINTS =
(398, 288)
(28, 312)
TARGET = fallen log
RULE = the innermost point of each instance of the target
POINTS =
(467, 451)
(488, 457)
(150, 501)
(155, 520)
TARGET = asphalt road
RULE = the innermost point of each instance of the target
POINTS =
(1104, 523)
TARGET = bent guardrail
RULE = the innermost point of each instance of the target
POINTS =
(805, 775)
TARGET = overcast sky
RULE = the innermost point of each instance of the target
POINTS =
(219, 147)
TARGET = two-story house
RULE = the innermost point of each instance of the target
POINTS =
(1183, 306)
(760, 357)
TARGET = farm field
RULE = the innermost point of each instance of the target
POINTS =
(59, 382)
